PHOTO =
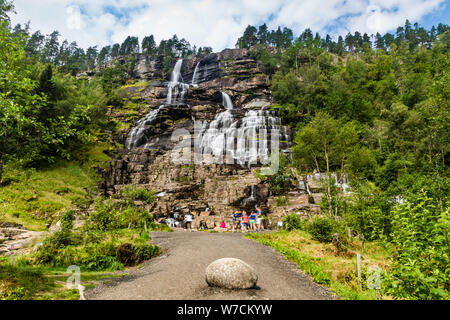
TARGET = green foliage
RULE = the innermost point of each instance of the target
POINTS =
(292, 221)
(36, 197)
(420, 235)
(94, 250)
(67, 220)
(20, 283)
(132, 193)
(368, 211)
(323, 228)
(268, 61)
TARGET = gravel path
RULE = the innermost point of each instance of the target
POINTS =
(179, 273)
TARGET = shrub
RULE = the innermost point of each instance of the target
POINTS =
(281, 201)
(67, 220)
(105, 255)
(106, 216)
(132, 193)
(421, 256)
(323, 228)
(293, 222)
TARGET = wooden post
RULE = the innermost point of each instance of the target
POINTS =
(358, 261)
(12, 255)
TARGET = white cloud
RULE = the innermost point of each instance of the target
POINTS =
(215, 23)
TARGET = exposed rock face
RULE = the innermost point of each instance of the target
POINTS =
(231, 273)
(197, 92)
(14, 237)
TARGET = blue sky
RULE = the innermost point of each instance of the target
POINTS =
(218, 23)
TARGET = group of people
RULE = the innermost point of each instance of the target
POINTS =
(241, 220)
(248, 222)
(173, 223)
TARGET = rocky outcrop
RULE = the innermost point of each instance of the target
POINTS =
(13, 237)
(231, 273)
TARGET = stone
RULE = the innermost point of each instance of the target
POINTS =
(231, 273)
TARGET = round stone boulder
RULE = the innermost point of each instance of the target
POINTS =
(231, 273)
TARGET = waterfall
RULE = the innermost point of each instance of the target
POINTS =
(177, 89)
(246, 142)
(226, 101)
(137, 134)
(252, 194)
(195, 76)
(176, 73)
(250, 201)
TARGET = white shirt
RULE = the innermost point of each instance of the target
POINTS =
(189, 218)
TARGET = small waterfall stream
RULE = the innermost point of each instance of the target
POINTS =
(195, 75)
(177, 88)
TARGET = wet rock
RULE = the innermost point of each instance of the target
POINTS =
(231, 273)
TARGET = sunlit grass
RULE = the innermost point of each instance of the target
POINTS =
(321, 261)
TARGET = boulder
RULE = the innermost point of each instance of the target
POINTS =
(231, 273)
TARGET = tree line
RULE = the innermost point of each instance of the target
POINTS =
(416, 35)
(71, 58)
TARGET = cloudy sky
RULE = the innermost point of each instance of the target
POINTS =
(218, 23)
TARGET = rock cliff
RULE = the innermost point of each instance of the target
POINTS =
(226, 91)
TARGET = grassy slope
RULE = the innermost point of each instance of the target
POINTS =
(320, 261)
(35, 197)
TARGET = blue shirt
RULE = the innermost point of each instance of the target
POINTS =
(252, 217)
(235, 216)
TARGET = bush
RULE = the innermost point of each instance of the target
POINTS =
(67, 220)
(105, 255)
(106, 216)
(323, 228)
(421, 257)
(281, 201)
(293, 222)
(132, 193)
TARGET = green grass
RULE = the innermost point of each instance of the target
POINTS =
(25, 282)
(35, 197)
(320, 261)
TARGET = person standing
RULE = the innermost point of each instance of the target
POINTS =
(252, 221)
(235, 221)
(244, 221)
(188, 220)
(259, 219)
(171, 220)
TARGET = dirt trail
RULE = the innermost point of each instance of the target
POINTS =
(179, 273)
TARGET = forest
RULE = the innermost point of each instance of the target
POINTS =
(373, 108)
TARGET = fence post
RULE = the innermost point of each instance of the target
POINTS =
(358, 261)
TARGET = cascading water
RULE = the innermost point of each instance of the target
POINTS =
(226, 101)
(177, 89)
(214, 138)
(244, 140)
(195, 76)
(137, 137)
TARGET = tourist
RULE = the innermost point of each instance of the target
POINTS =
(171, 220)
(259, 219)
(280, 224)
(188, 220)
(235, 221)
(223, 225)
(244, 220)
(253, 221)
